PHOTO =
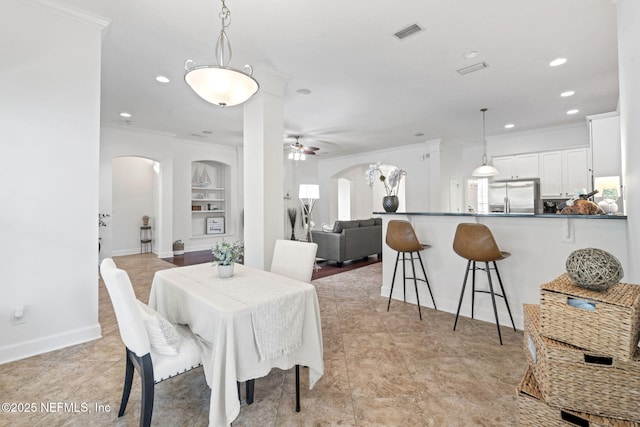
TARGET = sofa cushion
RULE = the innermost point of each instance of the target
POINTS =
(367, 222)
(341, 225)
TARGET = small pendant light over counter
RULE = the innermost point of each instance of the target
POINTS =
(484, 169)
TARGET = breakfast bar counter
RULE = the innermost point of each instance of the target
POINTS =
(539, 247)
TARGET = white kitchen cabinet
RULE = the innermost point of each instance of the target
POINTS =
(604, 131)
(504, 165)
(515, 167)
(576, 171)
(551, 175)
(562, 173)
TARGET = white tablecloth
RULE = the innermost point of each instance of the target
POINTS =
(222, 313)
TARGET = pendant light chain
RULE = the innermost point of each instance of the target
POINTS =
(223, 45)
(485, 159)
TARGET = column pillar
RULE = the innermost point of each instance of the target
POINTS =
(629, 70)
(264, 168)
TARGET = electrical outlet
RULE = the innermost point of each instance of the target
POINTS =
(18, 316)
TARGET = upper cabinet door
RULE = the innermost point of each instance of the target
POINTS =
(605, 143)
(576, 171)
(504, 166)
(551, 183)
(514, 167)
(526, 166)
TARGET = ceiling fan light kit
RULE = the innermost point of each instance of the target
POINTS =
(298, 151)
(220, 84)
(484, 169)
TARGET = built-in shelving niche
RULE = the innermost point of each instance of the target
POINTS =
(210, 199)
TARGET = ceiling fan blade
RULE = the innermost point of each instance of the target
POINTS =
(309, 152)
(311, 148)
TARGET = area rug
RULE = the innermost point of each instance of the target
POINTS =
(325, 268)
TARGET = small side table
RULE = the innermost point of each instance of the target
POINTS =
(146, 245)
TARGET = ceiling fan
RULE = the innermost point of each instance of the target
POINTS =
(298, 151)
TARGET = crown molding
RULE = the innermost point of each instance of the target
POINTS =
(70, 12)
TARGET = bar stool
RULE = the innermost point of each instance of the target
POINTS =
(475, 243)
(402, 238)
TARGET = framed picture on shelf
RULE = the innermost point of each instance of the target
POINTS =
(215, 225)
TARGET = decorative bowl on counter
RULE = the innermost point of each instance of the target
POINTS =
(594, 269)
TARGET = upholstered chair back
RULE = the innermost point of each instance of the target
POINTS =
(132, 329)
(294, 259)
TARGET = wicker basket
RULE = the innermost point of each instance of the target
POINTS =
(534, 412)
(612, 327)
(571, 378)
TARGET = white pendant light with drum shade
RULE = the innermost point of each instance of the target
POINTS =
(485, 169)
(220, 84)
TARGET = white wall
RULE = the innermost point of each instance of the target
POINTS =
(132, 189)
(628, 52)
(50, 112)
(422, 177)
(545, 139)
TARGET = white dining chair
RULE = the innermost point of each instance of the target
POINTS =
(155, 348)
(294, 259)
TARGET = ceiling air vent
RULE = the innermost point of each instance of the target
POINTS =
(408, 31)
(472, 68)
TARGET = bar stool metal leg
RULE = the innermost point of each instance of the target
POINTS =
(464, 284)
(393, 280)
(493, 301)
(404, 278)
(473, 287)
(504, 295)
(415, 284)
(426, 279)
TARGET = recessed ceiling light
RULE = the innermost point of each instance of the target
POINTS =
(557, 61)
(303, 91)
(574, 111)
(509, 126)
(125, 114)
(162, 79)
(471, 53)
(567, 93)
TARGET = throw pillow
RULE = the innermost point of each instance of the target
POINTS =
(377, 221)
(163, 336)
(367, 222)
(327, 228)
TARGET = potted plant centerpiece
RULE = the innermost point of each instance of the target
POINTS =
(391, 184)
(225, 255)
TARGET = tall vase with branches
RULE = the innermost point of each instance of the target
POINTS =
(293, 213)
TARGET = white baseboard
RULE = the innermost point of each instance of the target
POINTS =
(30, 348)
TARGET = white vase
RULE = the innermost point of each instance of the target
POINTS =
(225, 270)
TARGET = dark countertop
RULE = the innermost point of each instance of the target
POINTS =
(501, 215)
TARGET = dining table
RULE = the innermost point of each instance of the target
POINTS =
(247, 324)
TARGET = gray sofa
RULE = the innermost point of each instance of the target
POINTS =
(350, 240)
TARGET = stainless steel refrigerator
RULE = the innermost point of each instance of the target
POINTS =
(515, 196)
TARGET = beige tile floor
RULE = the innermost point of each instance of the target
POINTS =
(381, 369)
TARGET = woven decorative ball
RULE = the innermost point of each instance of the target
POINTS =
(594, 269)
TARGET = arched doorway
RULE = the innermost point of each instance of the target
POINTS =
(135, 190)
